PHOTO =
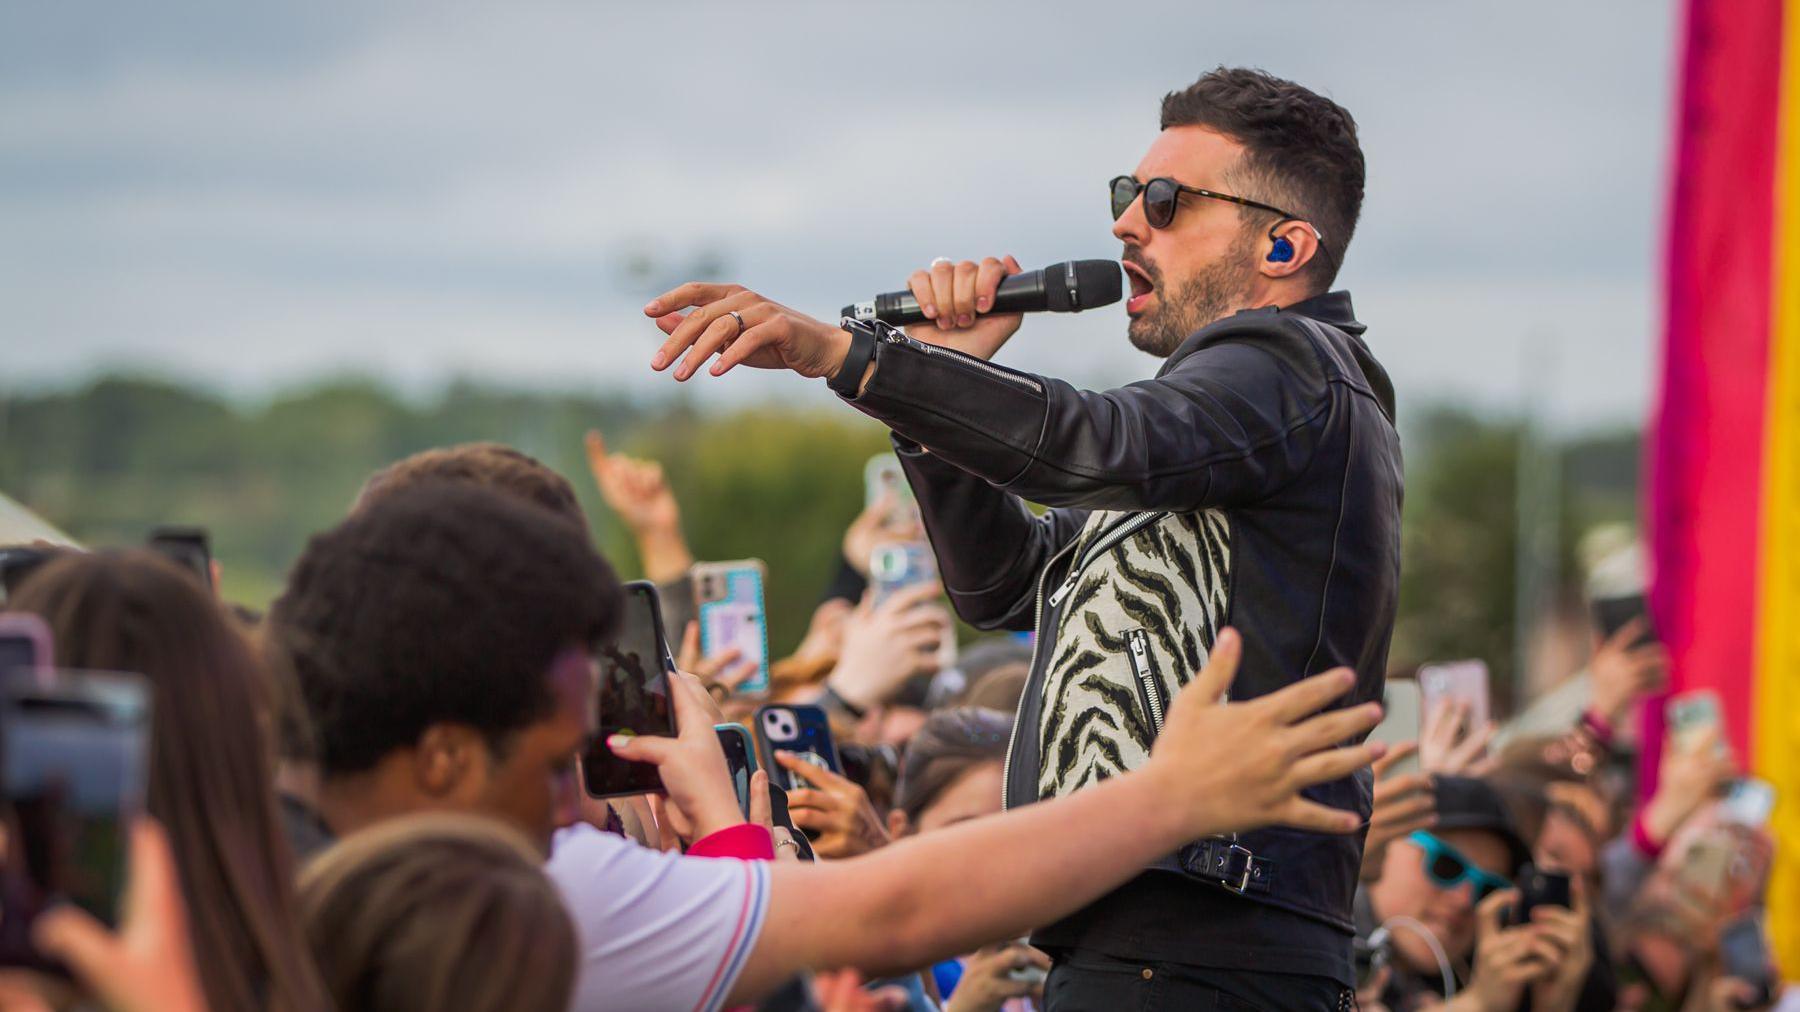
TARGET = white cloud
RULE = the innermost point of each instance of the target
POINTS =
(450, 188)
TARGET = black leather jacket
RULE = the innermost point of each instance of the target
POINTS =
(1255, 482)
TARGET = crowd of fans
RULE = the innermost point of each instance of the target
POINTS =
(368, 799)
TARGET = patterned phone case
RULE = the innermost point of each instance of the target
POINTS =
(729, 601)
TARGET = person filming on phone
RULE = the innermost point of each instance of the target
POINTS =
(1255, 481)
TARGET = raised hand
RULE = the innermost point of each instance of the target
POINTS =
(1447, 746)
(770, 336)
(1567, 931)
(885, 644)
(1403, 804)
(148, 965)
(956, 297)
(835, 807)
(1231, 767)
(1507, 960)
(1687, 778)
(1625, 671)
(691, 764)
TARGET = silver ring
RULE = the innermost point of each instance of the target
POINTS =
(942, 260)
(739, 319)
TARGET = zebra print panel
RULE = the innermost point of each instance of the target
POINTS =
(1170, 579)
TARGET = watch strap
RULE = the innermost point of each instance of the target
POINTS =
(848, 381)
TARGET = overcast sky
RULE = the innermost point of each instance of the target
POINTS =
(253, 195)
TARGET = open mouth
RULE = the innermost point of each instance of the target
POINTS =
(1141, 288)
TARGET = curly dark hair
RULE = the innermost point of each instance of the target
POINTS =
(1300, 151)
(495, 465)
(443, 602)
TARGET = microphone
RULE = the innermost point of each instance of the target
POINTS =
(1068, 287)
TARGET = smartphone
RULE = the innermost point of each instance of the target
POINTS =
(898, 566)
(1612, 614)
(1748, 802)
(799, 729)
(1401, 713)
(24, 645)
(1464, 681)
(1691, 715)
(188, 547)
(740, 760)
(1538, 888)
(883, 477)
(1744, 952)
(632, 697)
(728, 597)
(74, 760)
(1706, 867)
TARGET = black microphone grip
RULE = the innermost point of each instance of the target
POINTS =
(1065, 287)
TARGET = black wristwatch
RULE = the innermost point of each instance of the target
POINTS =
(863, 339)
(832, 698)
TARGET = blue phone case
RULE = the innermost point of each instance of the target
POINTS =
(800, 729)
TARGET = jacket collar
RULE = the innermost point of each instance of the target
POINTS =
(1331, 308)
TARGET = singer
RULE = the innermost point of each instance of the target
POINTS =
(1254, 482)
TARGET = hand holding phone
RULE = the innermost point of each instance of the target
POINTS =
(633, 698)
(1539, 888)
(1744, 953)
(728, 597)
(74, 757)
(1454, 699)
(740, 760)
(691, 766)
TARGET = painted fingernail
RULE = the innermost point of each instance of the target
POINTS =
(617, 741)
(964, 320)
(983, 303)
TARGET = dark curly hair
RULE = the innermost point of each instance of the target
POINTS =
(495, 465)
(1300, 151)
(442, 602)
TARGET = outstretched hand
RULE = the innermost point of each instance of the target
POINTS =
(1230, 767)
(762, 334)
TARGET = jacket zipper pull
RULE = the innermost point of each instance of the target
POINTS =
(1063, 591)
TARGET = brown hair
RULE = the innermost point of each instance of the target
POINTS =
(209, 780)
(493, 465)
(1300, 151)
(951, 743)
(999, 689)
(438, 911)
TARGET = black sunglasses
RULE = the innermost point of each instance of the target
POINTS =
(1162, 195)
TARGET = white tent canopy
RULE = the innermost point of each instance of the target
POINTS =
(19, 525)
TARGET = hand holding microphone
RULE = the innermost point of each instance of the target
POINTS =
(954, 297)
(744, 328)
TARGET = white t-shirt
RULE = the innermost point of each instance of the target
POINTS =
(655, 930)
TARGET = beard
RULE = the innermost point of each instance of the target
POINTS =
(1198, 301)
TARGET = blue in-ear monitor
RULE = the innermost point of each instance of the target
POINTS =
(1282, 251)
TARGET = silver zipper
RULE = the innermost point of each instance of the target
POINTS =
(1140, 666)
(1099, 544)
(1100, 547)
(993, 370)
(1037, 640)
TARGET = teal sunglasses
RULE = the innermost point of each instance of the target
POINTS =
(1449, 868)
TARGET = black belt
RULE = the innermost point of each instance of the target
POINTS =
(1224, 863)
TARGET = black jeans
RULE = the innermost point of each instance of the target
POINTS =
(1082, 981)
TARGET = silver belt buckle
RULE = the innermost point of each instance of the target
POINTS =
(1243, 883)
